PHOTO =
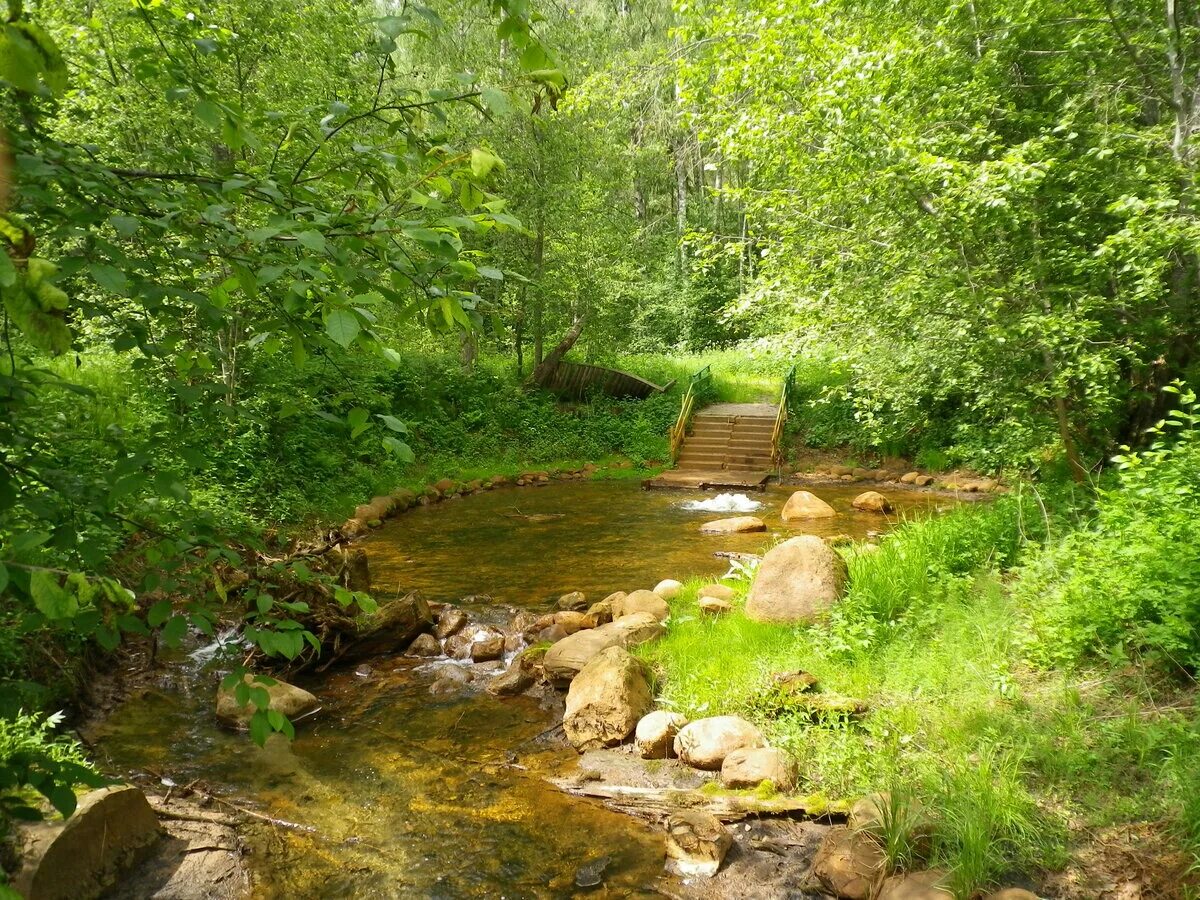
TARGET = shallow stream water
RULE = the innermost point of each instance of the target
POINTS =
(412, 795)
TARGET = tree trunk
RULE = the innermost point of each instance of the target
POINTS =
(545, 369)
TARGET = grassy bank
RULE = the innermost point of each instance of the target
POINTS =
(1020, 679)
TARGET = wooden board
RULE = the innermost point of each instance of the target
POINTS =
(719, 479)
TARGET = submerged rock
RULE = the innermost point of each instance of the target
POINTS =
(872, 501)
(696, 843)
(806, 505)
(568, 656)
(390, 629)
(592, 873)
(291, 701)
(734, 525)
(111, 831)
(641, 602)
(705, 743)
(796, 582)
(654, 737)
(606, 700)
(749, 767)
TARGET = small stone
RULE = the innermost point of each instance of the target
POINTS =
(910, 477)
(424, 645)
(445, 486)
(516, 679)
(714, 606)
(654, 737)
(719, 591)
(733, 525)
(573, 601)
(696, 843)
(668, 588)
(601, 612)
(923, 480)
(488, 648)
(451, 620)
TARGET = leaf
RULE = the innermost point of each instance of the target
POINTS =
(175, 629)
(342, 326)
(393, 423)
(489, 272)
(313, 240)
(398, 448)
(483, 161)
(62, 798)
(50, 598)
(260, 727)
(496, 100)
(209, 113)
(357, 420)
(158, 613)
(3, 577)
(109, 278)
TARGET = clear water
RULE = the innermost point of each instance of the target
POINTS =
(417, 796)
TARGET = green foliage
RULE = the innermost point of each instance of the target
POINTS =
(33, 758)
(1128, 583)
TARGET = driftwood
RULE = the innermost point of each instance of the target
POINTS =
(546, 367)
(740, 557)
(656, 802)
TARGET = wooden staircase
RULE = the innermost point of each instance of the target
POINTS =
(729, 445)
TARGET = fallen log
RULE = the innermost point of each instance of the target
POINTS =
(728, 807)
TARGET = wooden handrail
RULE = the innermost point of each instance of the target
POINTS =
(679, 430)
(785, 398)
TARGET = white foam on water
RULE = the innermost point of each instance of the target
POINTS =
(724, 503)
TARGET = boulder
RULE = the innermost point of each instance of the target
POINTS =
(847, 864)
(910, 477)
(668, 588)
(378, 508)
(734, 525)
(797, 581)
(573, 601)
(714, 606)
(424, 645)
(111, 831)
(696, 843)
(806, 505)
(445, 486)
(573, 621)
(403, 498)
(291, 701)
(720, 591)
(641, 602)
(564, 660)
(872, 501)
(860, 473)
(606, 700)
(601, 612)
(927, 885)
(516, 679)
(923, 480)
(476, 642)
(705, 743)
(654, 737)
(390, 629)
(751, 766)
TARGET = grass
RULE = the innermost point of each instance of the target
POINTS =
(1006, 757)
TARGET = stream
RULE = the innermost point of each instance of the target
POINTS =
(413, 795)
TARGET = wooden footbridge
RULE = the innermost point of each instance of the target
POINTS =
(725, 445)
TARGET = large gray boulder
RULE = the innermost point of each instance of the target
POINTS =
(112, 830)
(606, 700)
(797, 581)
(568, 656)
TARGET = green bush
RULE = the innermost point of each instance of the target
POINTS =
(1129, 584)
